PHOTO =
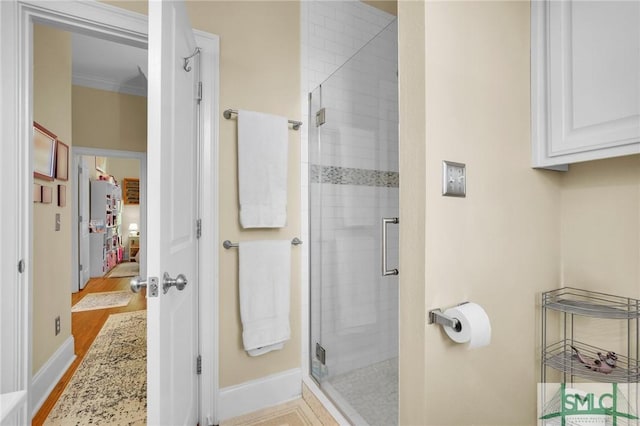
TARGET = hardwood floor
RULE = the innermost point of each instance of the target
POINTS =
(85, 326)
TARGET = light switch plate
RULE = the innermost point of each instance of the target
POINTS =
(454, 179)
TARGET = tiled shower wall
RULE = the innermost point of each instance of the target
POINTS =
(360, 181)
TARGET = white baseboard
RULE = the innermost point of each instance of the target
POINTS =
(257, 394)
(50, 373)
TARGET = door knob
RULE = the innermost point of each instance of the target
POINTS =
(179, 282)
(137, 284)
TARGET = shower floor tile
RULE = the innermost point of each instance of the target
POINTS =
(371, 391)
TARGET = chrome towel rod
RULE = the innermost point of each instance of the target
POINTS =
(228, 244)
(227, 114)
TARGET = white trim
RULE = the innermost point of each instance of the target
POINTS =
(100, 152)
(108, 85)
(50, 373)
(208, 247)
(10, 403)
(305, 259)
(260, 393)
(91, 18)
(75, 243)
(15, 217)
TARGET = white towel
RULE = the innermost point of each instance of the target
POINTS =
(264, 275)
(262, 169)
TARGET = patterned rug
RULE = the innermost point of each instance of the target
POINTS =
(110, 385)
(125, 269)
(108, 299)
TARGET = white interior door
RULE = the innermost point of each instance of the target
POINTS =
(172, 330)
(83, 222)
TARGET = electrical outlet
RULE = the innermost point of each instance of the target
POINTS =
(454, 179)
(57, 322)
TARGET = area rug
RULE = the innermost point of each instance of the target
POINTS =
(125, 269)
(108, 299)
(110, 385)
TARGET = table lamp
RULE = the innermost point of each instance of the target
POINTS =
(133, 229)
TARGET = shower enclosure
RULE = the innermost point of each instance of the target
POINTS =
(353, 176)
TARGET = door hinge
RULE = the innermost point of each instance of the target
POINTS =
(199, 96)
(21, 266)
(321, 117)
(198, 228)
(80, 267)
(321, 354)
(79, 219)
(79, 170)
(199, 364)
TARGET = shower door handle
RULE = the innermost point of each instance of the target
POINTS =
(385, 221)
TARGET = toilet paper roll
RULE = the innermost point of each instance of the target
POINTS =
(475, 325)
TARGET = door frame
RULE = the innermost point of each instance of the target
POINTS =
(16, 220)
(77, 152)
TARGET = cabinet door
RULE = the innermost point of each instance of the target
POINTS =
(585, 80)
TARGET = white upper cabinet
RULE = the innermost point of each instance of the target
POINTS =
(585, 80)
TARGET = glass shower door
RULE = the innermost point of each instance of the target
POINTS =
(353, 152)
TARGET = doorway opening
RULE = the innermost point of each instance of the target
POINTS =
(94, 96)
(21, 389)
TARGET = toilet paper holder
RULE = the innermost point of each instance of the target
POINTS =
(437, 317)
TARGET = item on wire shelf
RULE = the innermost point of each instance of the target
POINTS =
(604, 365)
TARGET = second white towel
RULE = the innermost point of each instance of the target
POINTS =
(264, 275)
(262, 169)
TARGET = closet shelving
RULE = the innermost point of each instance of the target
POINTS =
(571, 303)
(105, 238)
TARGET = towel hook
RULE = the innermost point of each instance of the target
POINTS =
(186, 65)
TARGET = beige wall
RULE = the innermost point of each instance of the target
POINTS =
(499, 246)
(51, 249)
(109, 120)
(601, 238)
(259, 70)
(601, 226)
(412, 160)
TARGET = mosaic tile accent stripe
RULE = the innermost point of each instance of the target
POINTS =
(352, 176)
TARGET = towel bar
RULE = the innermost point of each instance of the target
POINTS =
(227, 114)
(228, 244)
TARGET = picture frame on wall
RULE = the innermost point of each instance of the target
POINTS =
(37, 193)
(62, 196)
(47, 195)
(62, 160)
(101, 164)
(44, 153)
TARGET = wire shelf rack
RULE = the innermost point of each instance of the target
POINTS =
(569, 302)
